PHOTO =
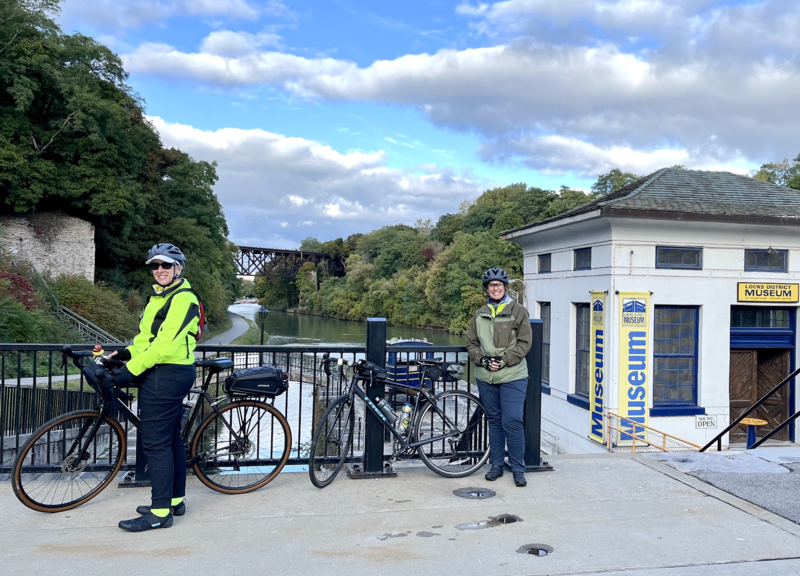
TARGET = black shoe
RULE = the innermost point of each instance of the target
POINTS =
(178, 510)
(147, 522)
(519, 479)
(494, 473)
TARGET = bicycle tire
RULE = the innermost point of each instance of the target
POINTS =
(468, 449)
(250, 461)
(331, 441)
(43, 472)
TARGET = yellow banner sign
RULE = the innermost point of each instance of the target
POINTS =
(634, 362)
(597, 385)
(761, 292)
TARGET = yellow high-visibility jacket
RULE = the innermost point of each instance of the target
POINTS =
(172, 340)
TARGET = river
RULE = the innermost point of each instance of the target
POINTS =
(303, 329)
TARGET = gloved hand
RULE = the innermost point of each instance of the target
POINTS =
(501, 364)
(123, 377)
(486, 362)
(123, 355)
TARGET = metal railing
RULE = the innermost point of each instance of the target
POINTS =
(718, 438)
(34, 388)
(626, 435)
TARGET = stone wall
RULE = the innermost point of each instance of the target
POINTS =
(54, 243)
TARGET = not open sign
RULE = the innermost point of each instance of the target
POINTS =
(705, 421)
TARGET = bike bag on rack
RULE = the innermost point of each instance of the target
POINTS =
(445, 372)
(258, 381)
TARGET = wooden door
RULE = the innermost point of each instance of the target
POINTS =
(742, 385)
(753, 373)
(773, 367)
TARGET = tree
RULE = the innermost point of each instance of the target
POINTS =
(74, 139)
(783, 173)
(612, 180)
(311, 244)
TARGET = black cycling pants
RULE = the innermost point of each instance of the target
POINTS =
(161, 395)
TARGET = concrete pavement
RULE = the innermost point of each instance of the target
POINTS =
(238, 328)
(600, 514)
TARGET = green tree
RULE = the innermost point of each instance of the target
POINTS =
(784, 173)
(612, 180)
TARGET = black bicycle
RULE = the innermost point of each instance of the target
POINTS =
(241, 446)
(447, 430)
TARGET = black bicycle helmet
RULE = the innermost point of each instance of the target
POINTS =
(495, 274)
(167, 253)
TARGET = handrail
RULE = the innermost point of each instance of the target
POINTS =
(632, 433)
(718, 437)
(88, 327)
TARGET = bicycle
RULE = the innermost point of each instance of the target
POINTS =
(237, 448)
(451, 424)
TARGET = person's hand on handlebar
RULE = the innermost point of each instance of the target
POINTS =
(122, 355)
(123, 377)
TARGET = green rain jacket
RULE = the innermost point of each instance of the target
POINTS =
(171, 342)
(506, 333)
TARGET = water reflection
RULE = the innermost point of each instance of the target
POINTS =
(303, 329)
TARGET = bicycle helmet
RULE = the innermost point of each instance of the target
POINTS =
(166, 253)
(495, 274)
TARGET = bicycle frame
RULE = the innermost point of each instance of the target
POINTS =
(405, 444)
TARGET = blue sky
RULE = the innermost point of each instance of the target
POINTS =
(328, 118)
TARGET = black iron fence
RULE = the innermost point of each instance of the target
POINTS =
(35, 388)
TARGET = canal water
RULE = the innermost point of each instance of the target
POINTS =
(303, 329)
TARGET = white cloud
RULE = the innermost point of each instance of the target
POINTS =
(257, 169)
(660, 80)
(231, 44)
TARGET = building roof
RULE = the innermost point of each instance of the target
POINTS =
(676, 193)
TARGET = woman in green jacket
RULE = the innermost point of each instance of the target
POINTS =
(498, 341)
(161, 361)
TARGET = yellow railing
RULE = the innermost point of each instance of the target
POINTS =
(626, 435)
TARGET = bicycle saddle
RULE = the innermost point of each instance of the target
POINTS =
(215, 364)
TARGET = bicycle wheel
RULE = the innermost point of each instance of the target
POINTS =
(242, 448)
(50, 474)
(331, 442)
(458, 420)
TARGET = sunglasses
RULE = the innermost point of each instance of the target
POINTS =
(496, 285)
(156, 265)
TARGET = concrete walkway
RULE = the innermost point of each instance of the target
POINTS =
(600, 514)
(239, 327)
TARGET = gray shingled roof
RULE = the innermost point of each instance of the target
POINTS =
(695, 192)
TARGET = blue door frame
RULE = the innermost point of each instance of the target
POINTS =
(772, 338)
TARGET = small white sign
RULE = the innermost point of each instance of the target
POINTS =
(705, 421)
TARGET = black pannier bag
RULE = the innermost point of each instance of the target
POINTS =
(258, 381)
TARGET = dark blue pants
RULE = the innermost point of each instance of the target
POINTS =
(505, 405)
(161, 395)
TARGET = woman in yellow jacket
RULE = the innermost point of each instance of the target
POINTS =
(161, 361)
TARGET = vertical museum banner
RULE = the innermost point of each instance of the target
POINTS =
(634, 367)
(597, 383)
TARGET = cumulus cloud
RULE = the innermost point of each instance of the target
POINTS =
(230, 44)
(277, 190)
(710, 84)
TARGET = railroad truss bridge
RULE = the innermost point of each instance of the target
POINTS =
(277, 264)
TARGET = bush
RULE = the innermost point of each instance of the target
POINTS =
(96, 303)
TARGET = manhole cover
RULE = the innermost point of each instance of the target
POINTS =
(474, 493)
(535, 549)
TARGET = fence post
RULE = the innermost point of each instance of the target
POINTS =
(373, 430)
(533, 403)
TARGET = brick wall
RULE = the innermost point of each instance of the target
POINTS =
(56, 244)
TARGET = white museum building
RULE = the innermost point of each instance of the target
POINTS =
(672, 302)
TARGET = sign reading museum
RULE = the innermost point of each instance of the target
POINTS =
(761, 292)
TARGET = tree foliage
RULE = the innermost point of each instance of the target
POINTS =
(612, 180)
(784, 173)
(74, 139)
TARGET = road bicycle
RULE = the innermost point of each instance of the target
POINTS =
(447, 430)
(241, 445)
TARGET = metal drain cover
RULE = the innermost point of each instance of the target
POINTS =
(474, 493)
(535, 549)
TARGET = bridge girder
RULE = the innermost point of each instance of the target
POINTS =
(277, 264)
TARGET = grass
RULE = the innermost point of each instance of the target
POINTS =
(253, 335)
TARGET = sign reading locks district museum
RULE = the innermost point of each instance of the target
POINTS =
(769, 292)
